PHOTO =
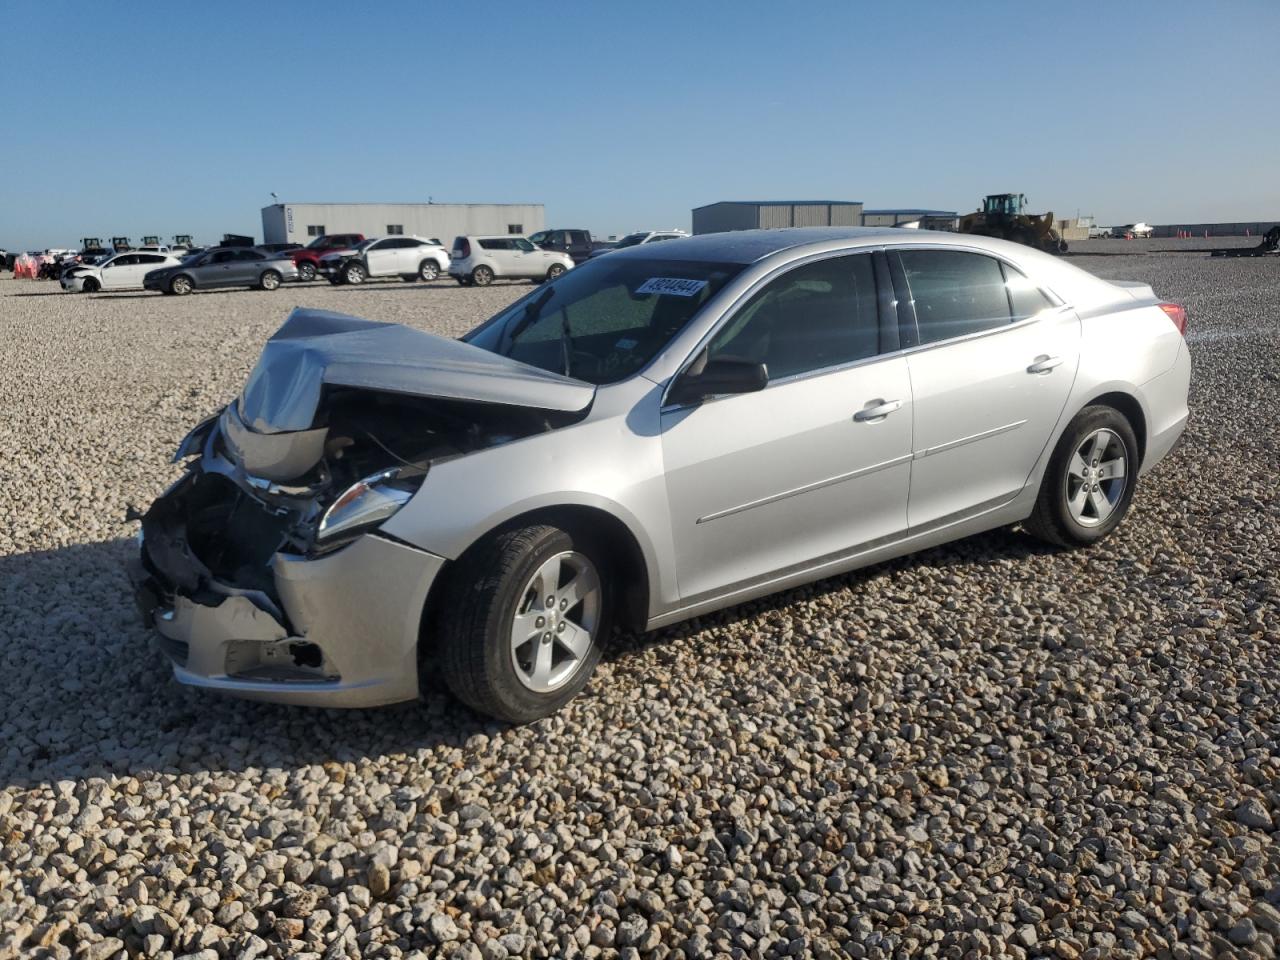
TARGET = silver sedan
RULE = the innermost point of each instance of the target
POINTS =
(658, 433)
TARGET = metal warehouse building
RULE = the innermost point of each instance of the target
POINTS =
(766, 214)
(928, 219)
(301, 222)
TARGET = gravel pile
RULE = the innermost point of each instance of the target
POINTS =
(990, 748)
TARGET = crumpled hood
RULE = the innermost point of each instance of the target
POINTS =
(315, 347)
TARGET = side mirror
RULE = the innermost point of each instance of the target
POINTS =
(727, 375)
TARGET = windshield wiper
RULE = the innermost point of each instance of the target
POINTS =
(528, 317)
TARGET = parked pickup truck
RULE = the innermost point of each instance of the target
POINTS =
(410, 258)
(576, 243)
(307, 259)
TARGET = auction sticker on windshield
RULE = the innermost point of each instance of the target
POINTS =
(672, 285)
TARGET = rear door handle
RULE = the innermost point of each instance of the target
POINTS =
(1044, 363)
(877, 412)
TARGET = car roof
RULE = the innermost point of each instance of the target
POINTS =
(748, 246)
(752, 246)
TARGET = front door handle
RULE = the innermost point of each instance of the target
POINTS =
(878, 411)
(1044, 363)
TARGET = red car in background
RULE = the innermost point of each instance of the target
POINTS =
(307, 259)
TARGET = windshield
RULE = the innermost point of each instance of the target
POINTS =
(366, 244)
(605, 320)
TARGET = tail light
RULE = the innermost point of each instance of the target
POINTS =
(1177, 313)
(462, 248)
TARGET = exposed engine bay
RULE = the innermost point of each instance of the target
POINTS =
(224, 522)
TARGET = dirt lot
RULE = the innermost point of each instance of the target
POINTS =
(989, 747)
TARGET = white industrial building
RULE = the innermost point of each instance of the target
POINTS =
(302, 222)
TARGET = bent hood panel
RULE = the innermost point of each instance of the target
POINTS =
(315, 347)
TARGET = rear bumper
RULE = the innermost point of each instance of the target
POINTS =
(341, 631)
(1166, 402)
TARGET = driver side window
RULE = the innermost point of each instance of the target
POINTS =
(818, 315)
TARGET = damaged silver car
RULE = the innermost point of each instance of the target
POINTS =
(659, 433)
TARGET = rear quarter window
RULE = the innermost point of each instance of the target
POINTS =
(956, 293)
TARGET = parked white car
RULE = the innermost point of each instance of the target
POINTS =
(1137, 230)
(481, 260)
(641, 237)
(410, 258)
(123, 271)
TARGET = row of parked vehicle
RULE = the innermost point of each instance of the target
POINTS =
(344, 258)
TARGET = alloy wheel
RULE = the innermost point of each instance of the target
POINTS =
(1096, 477)
(556, 620)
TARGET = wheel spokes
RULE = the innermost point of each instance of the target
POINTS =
(1078, 466)
(525, 628)
(1102, 507)
(543, 663)
(1111, 469)
(584, 583)
(575, 639)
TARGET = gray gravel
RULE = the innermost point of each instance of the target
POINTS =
(988, 749)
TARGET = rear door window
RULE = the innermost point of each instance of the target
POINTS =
(956, 293)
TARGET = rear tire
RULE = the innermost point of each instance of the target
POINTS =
(428, 270)
(528, 611)
(306, 271)
(482, 276)
(1089, 483)
(270, 280)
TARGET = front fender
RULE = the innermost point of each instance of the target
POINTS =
(610, 462)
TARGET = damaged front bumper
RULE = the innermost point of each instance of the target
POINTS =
(338, 630)
(345, 632)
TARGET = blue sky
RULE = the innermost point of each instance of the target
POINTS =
(162, 118)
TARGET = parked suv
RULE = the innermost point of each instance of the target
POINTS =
(411, 258)
(480, 260)
(576, 243)
(307, 259)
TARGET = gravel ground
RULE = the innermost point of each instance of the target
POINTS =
(990, 748)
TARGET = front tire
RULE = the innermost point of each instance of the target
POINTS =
(1089, 483)
(428, 270)
(90, 285)
(529, 610)
(482, 276)
(555, 271)
(180, 286)
(353, 273)
(306, 271)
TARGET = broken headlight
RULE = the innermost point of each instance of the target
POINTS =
(364, 505)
